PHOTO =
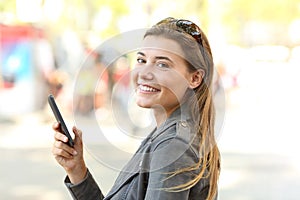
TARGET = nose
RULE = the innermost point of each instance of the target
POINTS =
(145, 72)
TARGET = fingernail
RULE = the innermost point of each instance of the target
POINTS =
(74, 153)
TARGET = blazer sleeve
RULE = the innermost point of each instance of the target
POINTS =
(85, 190)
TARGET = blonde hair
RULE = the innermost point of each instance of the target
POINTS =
(209, 155)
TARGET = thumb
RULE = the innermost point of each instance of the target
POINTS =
(78, 133)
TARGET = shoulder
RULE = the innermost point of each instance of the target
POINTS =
(177, 143)
(179, 133)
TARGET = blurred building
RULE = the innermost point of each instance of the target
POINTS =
(26, 60)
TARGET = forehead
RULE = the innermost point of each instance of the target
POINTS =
(162, 45)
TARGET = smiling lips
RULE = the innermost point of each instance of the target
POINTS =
(147, 89)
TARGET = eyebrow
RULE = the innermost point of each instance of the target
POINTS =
(140, 53)
(156, 57)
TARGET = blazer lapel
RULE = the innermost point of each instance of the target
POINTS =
(131, 169)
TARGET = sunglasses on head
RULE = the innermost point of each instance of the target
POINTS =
(187, 26)
(190, 28)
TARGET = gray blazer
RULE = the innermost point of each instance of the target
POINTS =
(172, 146)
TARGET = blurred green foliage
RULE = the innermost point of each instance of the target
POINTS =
(234, 15)
(282, 11)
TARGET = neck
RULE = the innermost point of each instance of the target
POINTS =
(161, 114)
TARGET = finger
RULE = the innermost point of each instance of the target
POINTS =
(63, 149)
(61, 153)
(77, 132)
(78, 135)
(58, 136)
(56, 126)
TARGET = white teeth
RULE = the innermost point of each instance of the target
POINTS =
(147, 89)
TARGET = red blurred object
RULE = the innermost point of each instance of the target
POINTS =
(19, 32)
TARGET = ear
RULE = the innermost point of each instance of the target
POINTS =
(196, 78)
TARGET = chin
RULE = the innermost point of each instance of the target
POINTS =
(143, 104)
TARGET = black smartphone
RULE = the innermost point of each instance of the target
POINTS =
(60, 120)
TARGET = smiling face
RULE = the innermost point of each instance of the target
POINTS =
(161, 76)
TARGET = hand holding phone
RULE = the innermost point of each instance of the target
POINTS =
(60, 120)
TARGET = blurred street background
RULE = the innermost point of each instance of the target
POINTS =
(44, 44)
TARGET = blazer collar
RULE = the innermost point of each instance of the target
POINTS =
(182, 113)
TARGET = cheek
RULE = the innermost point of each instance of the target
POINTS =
(134, 75)
(175, 86)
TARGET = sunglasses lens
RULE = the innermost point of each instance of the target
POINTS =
(190, 28)
(184, 23)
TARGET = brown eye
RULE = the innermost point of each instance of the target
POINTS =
(140, 60)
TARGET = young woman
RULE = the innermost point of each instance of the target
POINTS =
(179, 159)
